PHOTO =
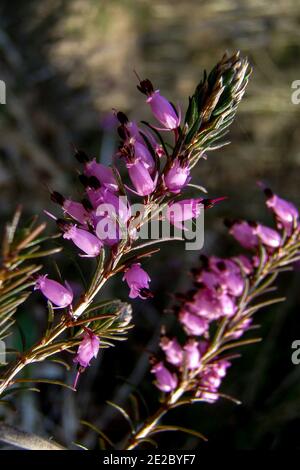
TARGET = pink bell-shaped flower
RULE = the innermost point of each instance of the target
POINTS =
(181, 211)
(164, 379)
(163, 111)
(192, 354)
(177, 177)
(285, 212)
(244, 233)
(87, 242)
(58, 294)
(88, 349)
(138, 281)
(172, 350)
(140, 177)
(268, 236)
(103, 173)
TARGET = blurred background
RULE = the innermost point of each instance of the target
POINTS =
(66, 64)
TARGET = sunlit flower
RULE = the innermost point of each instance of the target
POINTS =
(177, 177)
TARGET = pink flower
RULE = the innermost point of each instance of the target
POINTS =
(192, 354)
(103, 173)
(138, 281)
(58, 294)
(177, 177)
(164, 379)
(84, 240)
(77, 211)
(142, 153)
(73, 208)
(207, 305)
(140, 177)
(244, 233)
(172, 349)
(137, 134)
(180, 211)
(228, 306)
(193, 324)
(108, 204)
(163, 111)
(243, 326)
(87, 349)
(229, 275)
(212, 304)
(211, 380)
(268, 236)
(286, 213)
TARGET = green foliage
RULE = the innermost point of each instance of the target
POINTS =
(20, 245)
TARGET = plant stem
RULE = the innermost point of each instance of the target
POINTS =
(36, 351)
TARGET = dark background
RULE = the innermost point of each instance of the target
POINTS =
(66, 64)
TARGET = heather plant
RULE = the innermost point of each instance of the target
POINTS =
(149, 180)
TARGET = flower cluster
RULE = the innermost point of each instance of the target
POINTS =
(103, 219)
(104, 216)
(152, 165)
(220, 302)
